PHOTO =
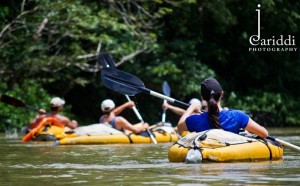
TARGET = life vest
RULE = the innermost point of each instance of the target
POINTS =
(40, 127)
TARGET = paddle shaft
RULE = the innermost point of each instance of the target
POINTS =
(163, 119)
(167, 92)
(141, 119)
(137, 113)
(31, 107)
(284, 143)
(161, 96)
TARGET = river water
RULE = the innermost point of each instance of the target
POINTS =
(135, 164)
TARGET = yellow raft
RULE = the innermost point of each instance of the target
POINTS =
(49, 129)
(161, 134)
(221, 146)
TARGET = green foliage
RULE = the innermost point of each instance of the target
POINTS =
(181, 42)
(52, 44)
(269, 109)
(33, 95)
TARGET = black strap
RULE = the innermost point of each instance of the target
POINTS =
(264, 141)
(129, 137)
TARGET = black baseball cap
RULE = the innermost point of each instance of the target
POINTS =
(210, 86)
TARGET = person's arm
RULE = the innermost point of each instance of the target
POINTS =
(123, 123)
(181, 126)
(120, 108)
(71, 124)
(174, 109)
(257, 129)
(67, 122)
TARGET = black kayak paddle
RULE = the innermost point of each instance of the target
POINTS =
(15, 102)
(107, 62)
(131, 85)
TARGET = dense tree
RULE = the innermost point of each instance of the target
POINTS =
(54, 45)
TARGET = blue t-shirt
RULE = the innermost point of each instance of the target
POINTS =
(230, 120)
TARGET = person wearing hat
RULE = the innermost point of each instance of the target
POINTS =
(178, 110)
(56, 106)
(118, 122)
(217, 117)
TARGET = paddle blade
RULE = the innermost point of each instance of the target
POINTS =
(12, 101)
(121, 82)
(106, 60)
(166, 89)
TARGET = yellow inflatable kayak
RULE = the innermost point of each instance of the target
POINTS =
(221, 146)
(161, 134)
(48, 129)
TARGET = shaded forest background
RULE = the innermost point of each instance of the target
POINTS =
(50, 48)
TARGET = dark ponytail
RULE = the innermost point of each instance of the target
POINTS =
(213, 110)
(211, 92)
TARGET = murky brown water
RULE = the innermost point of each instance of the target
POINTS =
(135, 164)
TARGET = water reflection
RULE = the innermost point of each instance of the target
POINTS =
(146, 164)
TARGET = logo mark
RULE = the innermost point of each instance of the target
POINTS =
(273, 44)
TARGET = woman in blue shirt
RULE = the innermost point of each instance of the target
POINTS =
(216, 117)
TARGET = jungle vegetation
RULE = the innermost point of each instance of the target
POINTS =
(50, 47)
